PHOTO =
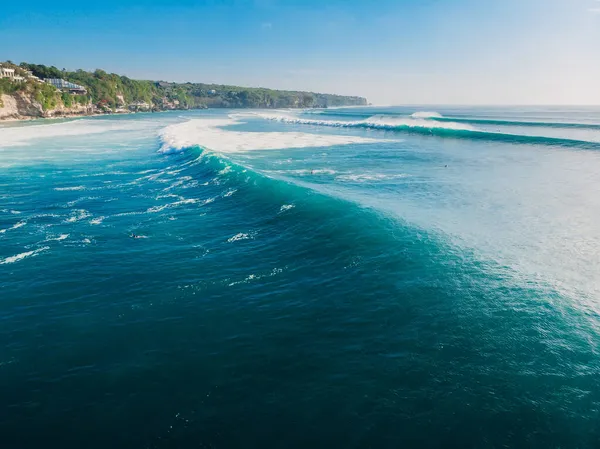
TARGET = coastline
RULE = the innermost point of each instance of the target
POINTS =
(22, 118)
(33, 91)
(26, 118)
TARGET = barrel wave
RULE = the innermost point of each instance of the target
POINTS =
(299, 283)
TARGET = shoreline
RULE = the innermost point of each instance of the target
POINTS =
(24, 118)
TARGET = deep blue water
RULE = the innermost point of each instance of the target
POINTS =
(352, 278)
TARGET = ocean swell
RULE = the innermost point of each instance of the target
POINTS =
(434, 126)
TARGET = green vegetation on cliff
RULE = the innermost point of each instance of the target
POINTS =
(44, 94)
(112, 91)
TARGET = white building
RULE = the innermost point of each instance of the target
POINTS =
(18, 79)
(139, 105)
(5, 72)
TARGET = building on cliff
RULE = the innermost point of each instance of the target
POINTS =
(66, 86)
(5, 72)
(139, 106)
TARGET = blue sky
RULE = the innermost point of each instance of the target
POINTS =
(393, 52)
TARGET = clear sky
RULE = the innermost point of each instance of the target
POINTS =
(391, 51)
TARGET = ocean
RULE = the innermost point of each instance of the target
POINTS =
(376, 277)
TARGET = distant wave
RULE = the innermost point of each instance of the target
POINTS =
(482, 121)
(499, 122)
(426, 115)
(436, 116)
(435, 127)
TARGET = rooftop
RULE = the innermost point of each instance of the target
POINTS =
(62, 84)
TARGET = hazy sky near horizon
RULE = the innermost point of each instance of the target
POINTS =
(391, 51)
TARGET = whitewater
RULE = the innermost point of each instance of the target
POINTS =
(369, 277)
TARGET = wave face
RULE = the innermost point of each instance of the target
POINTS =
(373, 284)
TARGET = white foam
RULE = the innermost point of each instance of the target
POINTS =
(240, 236)
(316, 171)
(229, 193)
(97, 221)
(377, 122)
(22, 135)
(79, 200)
(181, 202)
(425, 114)
(69, 188)
(127, 214)
(15, 226)
(247, 279)
(254, 277)
(209, 133)
(362, 177)
(22, 256)
(169, 195)
(383, 122)
(286, 207)
(57, 239)
(78, 215)
(94, 175)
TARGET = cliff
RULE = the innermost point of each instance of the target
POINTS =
(110, 92)
(101, 92)
(23, 105)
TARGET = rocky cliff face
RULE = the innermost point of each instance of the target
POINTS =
(20, 105)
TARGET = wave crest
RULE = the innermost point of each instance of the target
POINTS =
(440, 127)
(210, 134)
(425, 114)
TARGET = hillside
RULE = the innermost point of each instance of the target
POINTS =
(109, 92)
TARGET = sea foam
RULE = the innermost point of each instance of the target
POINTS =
(22, 135)
(240, 236)
(16, 226)
(376, 122)
(22, 256)
(425, 114)
(209, 133)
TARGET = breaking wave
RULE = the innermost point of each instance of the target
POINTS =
(525, 123)
(209, 133)
(425, 114)
(435, 126)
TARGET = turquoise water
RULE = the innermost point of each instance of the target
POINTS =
(362, 277)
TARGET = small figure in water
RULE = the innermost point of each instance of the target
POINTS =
(312, 172)
(446, 166)
(133, 236)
